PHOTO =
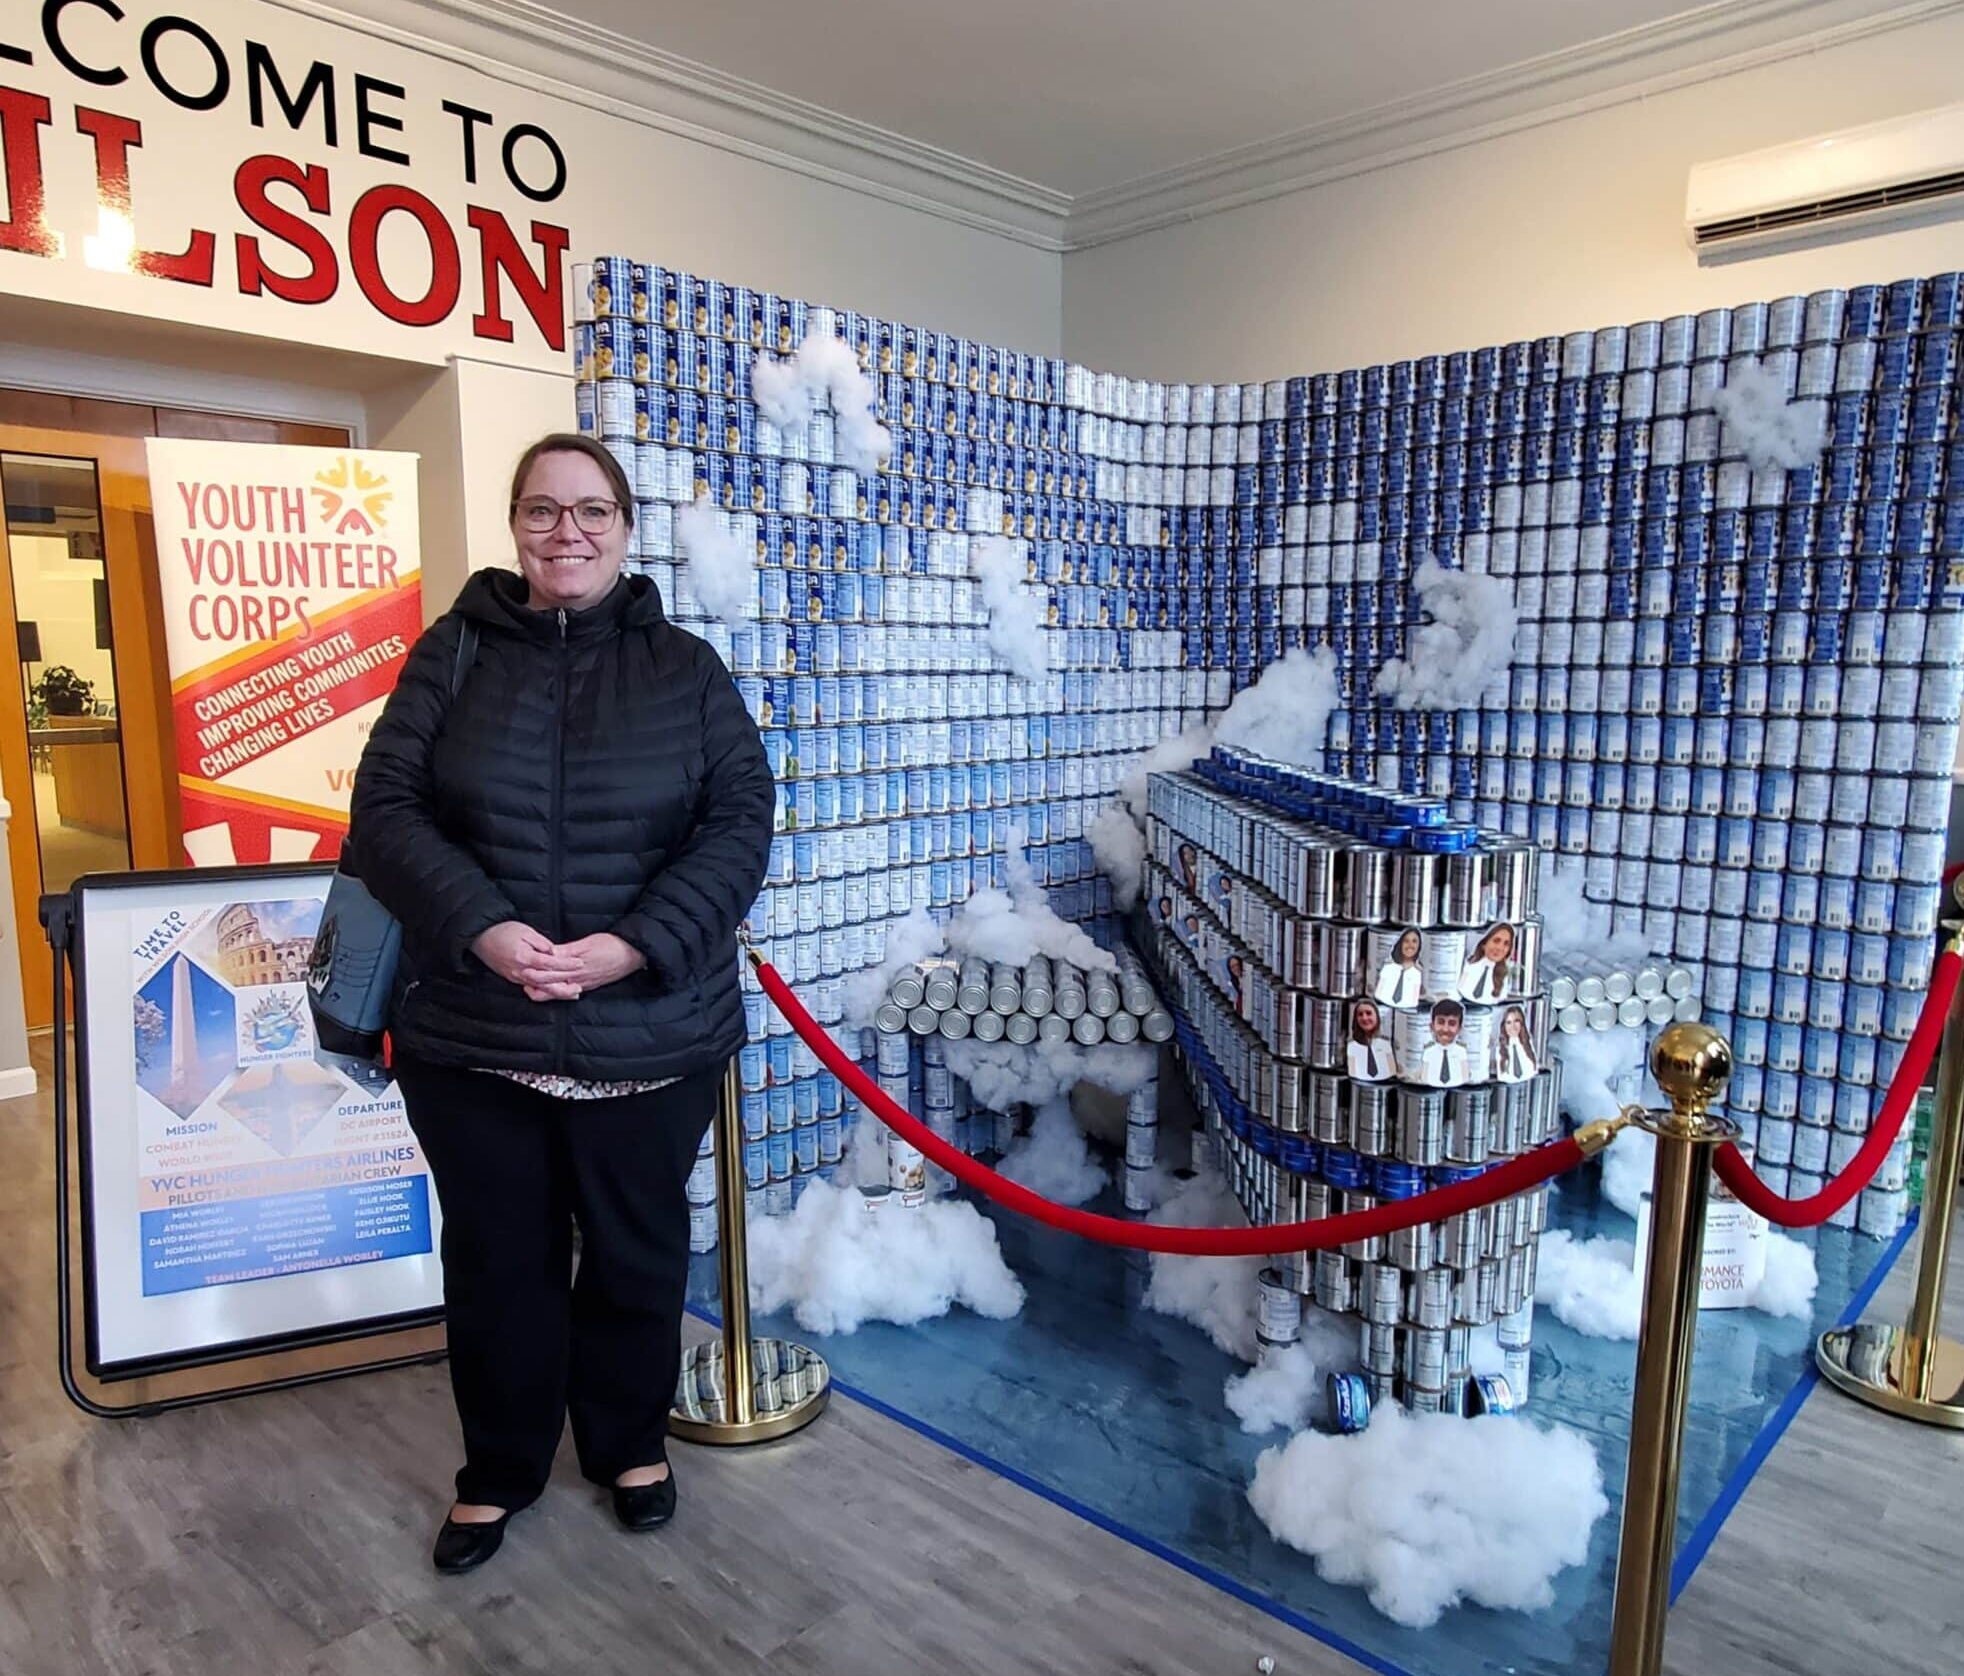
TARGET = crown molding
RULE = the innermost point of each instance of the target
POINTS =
(581, 64)
(604, 71)
(1712, 41)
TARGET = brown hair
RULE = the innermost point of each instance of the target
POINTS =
(568, 442)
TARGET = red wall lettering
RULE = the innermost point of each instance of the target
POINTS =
(364, 229)
(22, 117)
(249, 186)
(115, 138)
(543, 293)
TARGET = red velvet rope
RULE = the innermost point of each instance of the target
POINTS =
(1812, 1211)
(1517, 1175)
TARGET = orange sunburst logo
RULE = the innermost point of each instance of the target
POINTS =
(352, 497)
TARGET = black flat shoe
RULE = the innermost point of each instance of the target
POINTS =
(466, 1547)
(642, 1507)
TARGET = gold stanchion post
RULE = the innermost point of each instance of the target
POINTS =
(739, 1389)
(1913, 1370)
(1692, 1064)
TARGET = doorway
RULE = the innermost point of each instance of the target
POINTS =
(87, 749)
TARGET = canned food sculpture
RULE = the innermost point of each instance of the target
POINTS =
(1360, 1010)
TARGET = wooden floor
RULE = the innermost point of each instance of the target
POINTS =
(288, 1534)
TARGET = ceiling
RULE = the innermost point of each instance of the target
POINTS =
(1085, 95)
(1067, 123)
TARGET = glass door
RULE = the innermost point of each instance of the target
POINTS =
(67, 654)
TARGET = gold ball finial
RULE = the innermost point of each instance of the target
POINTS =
(1692, 1064)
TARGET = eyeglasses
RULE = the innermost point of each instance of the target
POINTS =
(541, 515)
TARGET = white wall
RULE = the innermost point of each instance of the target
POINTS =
(57, 594)
(1572, 225)
(469, 422)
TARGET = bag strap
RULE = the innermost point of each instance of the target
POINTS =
(466, 656)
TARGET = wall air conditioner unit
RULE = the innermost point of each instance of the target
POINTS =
(1909, 167)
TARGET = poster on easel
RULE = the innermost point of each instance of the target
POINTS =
(292, 592)
(242, 1185)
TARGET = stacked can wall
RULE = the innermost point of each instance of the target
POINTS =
(1734, 694)
(908, 759)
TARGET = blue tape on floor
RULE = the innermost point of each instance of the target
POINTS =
(1695, 1548)
(1138, 1539)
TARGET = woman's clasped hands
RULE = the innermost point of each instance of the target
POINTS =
(549, 971)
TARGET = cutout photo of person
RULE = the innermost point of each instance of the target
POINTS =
(1486, 977)
(1236, 970)
(1399, 978)
(1189, 859)
(1513, 1051)
(1368, 1054)
(1443, 1064)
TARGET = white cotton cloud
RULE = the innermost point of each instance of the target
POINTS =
(1286, 714)
(722, 567)
(1462, 651)
(1016, 924)
(1015, 629)
(1759, 420)
(1054, 1159)
(915, 938)
(1628, 1165)
(1600, 1070)
(1428, 1511)
(1119, 848)
(1290, 1389)
(1791, 1279)
(1215, 1294)
(1592, 1285)
(1002, 1074)
(835, 1264)
(824, 369)
(1169, 756)
(1572, 925)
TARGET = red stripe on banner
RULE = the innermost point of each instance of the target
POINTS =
(238, 827)
(287, 690)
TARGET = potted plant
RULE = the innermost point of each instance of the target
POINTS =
(64, 693)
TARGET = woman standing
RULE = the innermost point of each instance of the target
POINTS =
(569, 843)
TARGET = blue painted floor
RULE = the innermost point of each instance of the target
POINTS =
(1088, 1397)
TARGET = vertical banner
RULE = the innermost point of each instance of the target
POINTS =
(292, 594)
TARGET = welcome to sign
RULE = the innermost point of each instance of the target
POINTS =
(330, 177)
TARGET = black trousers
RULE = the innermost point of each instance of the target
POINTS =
(530, 1343)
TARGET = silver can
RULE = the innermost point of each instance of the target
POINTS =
(1378, 1348)
(1469, 889)
(1020, 1028)
(1429, 1298)
(1421, 1126)
(1335, 1282)
(1367, 879)
(1370, 1248)
(1326, 1108)
(1469, 1125)
(1425, 1358)
(1340, 960)
(1380, 1293)
(1413, 1249)
(1473, 1296)
(1414, 886)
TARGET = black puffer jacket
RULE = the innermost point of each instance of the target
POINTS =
(596, 772)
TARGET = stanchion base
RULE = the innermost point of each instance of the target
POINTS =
(1883, 1367)
(791, 1387)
